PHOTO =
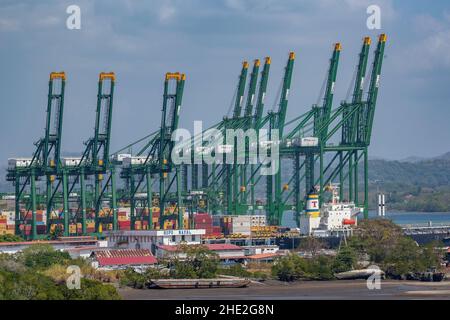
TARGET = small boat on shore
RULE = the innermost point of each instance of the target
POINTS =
(199, 283)
(359, 274)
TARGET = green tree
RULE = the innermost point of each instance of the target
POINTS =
(91, 290)
(40, 256)
(199, 262)
(10, 238)
(345, 260)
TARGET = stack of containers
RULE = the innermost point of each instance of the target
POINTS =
(3, 224)
(124, 225)
(204, 221)
(241, 225)
(169, 224)
(26, 229)
(72, 228)
(90, 213)
(258, 221)
(217, 232)
(226, 224)
(10, 227)
(156, 214)
(217, 220)
(123, 221)
(90, 226)
(138, 225)
(41, 227)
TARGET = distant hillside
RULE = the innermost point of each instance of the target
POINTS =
(427, 173)
(414, 186)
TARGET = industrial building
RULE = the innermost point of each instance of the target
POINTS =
(150, 239)
(122, 258)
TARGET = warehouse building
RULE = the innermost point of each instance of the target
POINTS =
(150, 239)
(122, 258)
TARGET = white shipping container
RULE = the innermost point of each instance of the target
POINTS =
(71, 162)
(119, 157)
(225, 148)
(309, 142)
(18, 162)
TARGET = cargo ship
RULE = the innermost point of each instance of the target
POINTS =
(333, 217)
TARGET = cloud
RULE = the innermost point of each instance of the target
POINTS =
(166, 12)
(7, 25)
(430, 44)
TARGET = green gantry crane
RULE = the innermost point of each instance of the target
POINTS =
(95, 162)
(155, 158)
(45, 162)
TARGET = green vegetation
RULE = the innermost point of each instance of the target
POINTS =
(41, 256)
(386, 246)
(345, 260)
(199, 262)
(293, 267)
(10, 238)
(379, 242)
(39, 272)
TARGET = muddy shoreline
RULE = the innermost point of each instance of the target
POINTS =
(302, 290)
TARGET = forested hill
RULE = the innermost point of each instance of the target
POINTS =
(411, 184)
(425, 173)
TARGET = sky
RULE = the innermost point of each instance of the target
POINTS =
(208, 40)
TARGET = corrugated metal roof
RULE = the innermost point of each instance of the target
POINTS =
(124, 257)
(121, 253)
(222, 246)
(126, 260)
(262, 256)
(167, 247)
(212, 247)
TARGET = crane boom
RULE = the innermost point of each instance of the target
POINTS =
(374, 84)
(240, 91)
(252, 89)
(325, 111)
(262, 92)
(352, 126)
(281, 115)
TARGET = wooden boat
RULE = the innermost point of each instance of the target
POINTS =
(359, 274)
(199, 283)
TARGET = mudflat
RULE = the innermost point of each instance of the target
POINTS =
(301, 290)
